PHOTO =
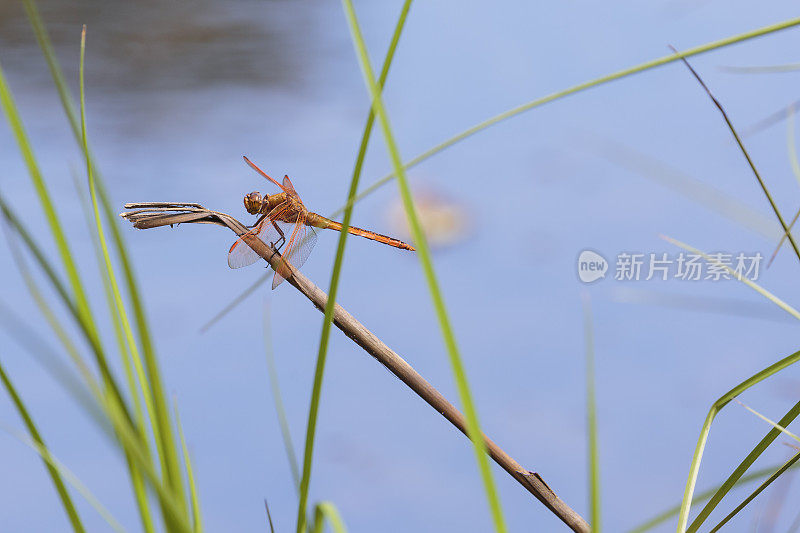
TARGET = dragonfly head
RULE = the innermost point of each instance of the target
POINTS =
(253, 202)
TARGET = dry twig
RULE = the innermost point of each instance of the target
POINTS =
(155, 214)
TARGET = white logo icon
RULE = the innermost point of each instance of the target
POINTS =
(591, 266)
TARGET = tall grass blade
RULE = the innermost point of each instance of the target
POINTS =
(792, 149)
(169, 451)
(730, 395)
(755, 286)
(10, 109)
(591, 417)
(72, 479)
(61, 290)
(197, 519)
(756, 492)
(117, 323)
(335, 274)
(80, 306)
(269, 517)
(115, 411)
(47, 312)
(689, 187)
(739, 471)
(55, 476)
(473, 428)
(770, 120)
(699, 498)
(120, 318)
(242, 296)
(762, 69)
(768, 421)
(29, 339)
(739, 142)
(69, 477)
(119, 334)
(124, 432)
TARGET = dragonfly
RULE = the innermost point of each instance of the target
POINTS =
(285, 223)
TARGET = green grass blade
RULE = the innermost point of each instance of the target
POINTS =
(80, 307)
(752, 165)
(113, 404)
(277, 398)
(242, 296)
(591, 418)
(755, 286)
(78, 392)
(169, 450)
(43, 39)
(60, 83)
(269, 517)
(699, 498)
(573, 90)
(130, 441)
(55, 476)
(335, 274)
(115, 412)
(119, 319)
(327, 511)
(197, 519)
(118, 310)
(70, 478)
(473, 428)
(762, 69)
(29, 339)
(756, 492)
(723, 400)
(61, 291)
(792, 150)
(675, 179)
(119, 334)
(173, 509)
(136, 478)
(10, 109)
(49, 316)
(739, 471)
(770, 422)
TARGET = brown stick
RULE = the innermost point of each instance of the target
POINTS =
(148, 216)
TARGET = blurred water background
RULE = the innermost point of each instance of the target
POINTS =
(178, 91)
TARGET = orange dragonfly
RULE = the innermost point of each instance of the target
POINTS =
(283, 214)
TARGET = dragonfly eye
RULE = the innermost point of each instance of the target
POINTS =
(252, 202)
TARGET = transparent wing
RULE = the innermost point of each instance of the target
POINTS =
(240, 255)
(297, 251)
(287, 185)
(254, 167)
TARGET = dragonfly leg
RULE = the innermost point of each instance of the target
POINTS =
(258, 221)
(277, 245)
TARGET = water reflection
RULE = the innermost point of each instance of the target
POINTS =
(178, 45)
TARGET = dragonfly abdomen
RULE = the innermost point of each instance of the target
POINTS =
(321, 222)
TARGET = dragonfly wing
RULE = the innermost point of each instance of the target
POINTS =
(254, 167)
(297, 251)
(240, 255)
(287, 185)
